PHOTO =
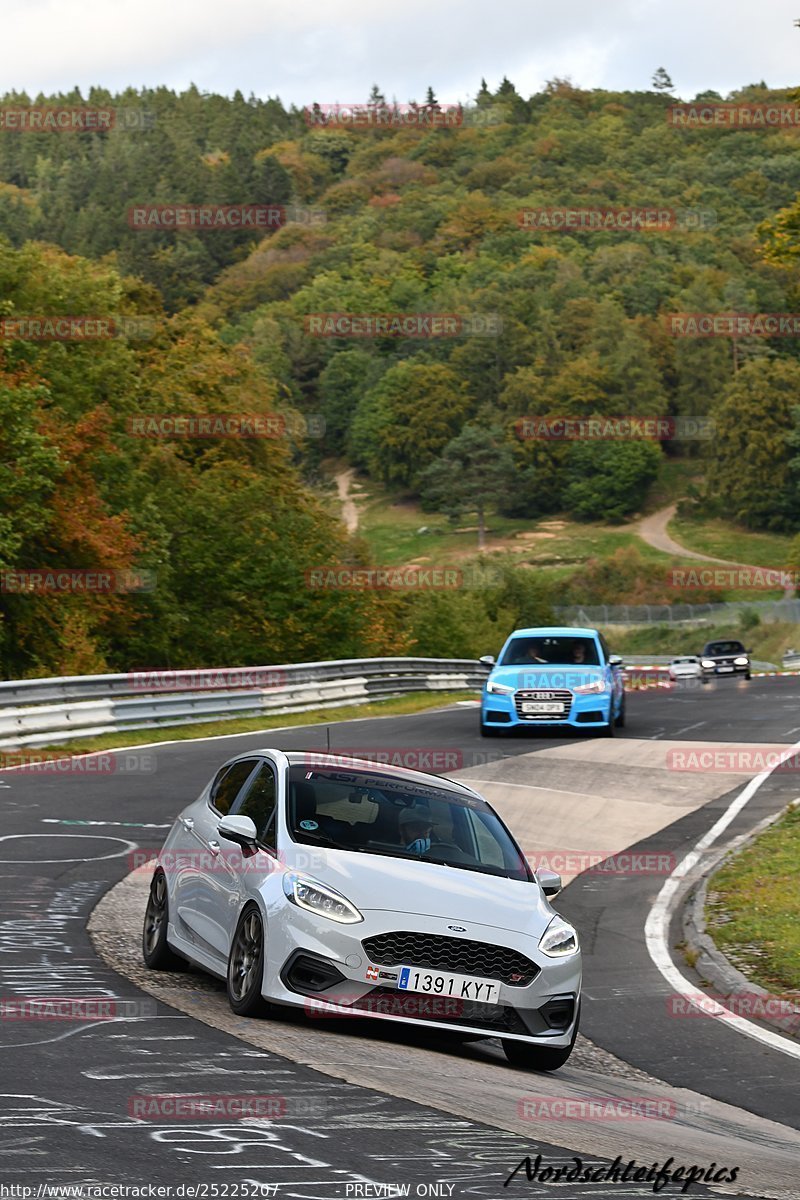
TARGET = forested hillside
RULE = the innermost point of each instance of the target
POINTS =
(548, 323)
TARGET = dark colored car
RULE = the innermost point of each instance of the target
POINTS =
(725, 658)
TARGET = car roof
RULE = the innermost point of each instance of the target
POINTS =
(554, 631)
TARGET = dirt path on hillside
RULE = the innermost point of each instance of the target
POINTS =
(349, 511)
(653, 530)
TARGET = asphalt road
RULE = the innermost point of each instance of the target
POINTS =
(67, 1086)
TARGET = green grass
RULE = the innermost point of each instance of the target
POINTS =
(413, 702)
(721, 539)
(753, 907)
(767, 641)
(390, 527)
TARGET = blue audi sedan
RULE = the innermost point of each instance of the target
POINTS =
(557, 677)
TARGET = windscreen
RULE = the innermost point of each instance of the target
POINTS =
(375, 813)
(553, 649)
(724, 648)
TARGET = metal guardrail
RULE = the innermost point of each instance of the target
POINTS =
(40, 712)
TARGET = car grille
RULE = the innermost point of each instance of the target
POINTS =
(451, 954)
(495, 1018)
(564, 695)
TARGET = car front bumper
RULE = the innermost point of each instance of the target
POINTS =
(354, 985)
(728, 670)
(584, 712)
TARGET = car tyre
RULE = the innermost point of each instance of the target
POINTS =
(747, 674)
(608, 729)
(539, 1058)
(156, 950)
(620, 721)
(245, 972)
(490, 731)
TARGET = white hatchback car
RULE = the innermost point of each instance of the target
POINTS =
(346, 888)
(686, 667)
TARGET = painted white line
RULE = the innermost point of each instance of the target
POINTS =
(119, 824)
(686, 728)
(656, 928)
(84, 837)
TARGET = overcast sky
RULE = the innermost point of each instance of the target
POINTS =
(306, 50)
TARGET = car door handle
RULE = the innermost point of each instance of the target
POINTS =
(214, 847)
(187, 822)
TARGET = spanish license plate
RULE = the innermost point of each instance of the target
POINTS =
(541, 706)
(724, 668)
(445, 983)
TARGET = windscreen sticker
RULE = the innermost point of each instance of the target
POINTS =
(309, 825)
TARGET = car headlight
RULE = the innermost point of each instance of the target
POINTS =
(741, 662)
(559, 940)
(499, 689)
(707, 662)
(319, 899)
(592, 689)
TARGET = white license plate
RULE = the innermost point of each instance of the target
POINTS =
(724, 668)
(444, 983)
(541, 706)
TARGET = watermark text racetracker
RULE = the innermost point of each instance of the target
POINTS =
(731, 324)
(730, 758)
(627, 220)
(383, 116)
(402, 325)
(206, 1106)
(757, 579)
(733, 116)
(411, 579)
(601, 862)
(226, 425)
(784, 1010)
(67, 579)
(57, 327)
(211, 679)
(71, 1008)
(74, 120)
(210, 217)
(605, 1108)
(613, 428)
(104, 762)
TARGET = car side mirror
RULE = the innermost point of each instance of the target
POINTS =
(241, 830)
(615, 660)
(549, 882)
(487, 660)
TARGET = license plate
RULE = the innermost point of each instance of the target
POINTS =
(445, 983)
(541, 706)
(724, 668)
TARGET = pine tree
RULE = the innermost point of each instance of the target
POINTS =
(662, 82)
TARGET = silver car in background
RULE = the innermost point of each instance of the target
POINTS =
(685, 668)
(345, 888)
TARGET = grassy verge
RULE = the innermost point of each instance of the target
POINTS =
(767, 642)
(720, 539)
(412, 703)
(753, 907)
